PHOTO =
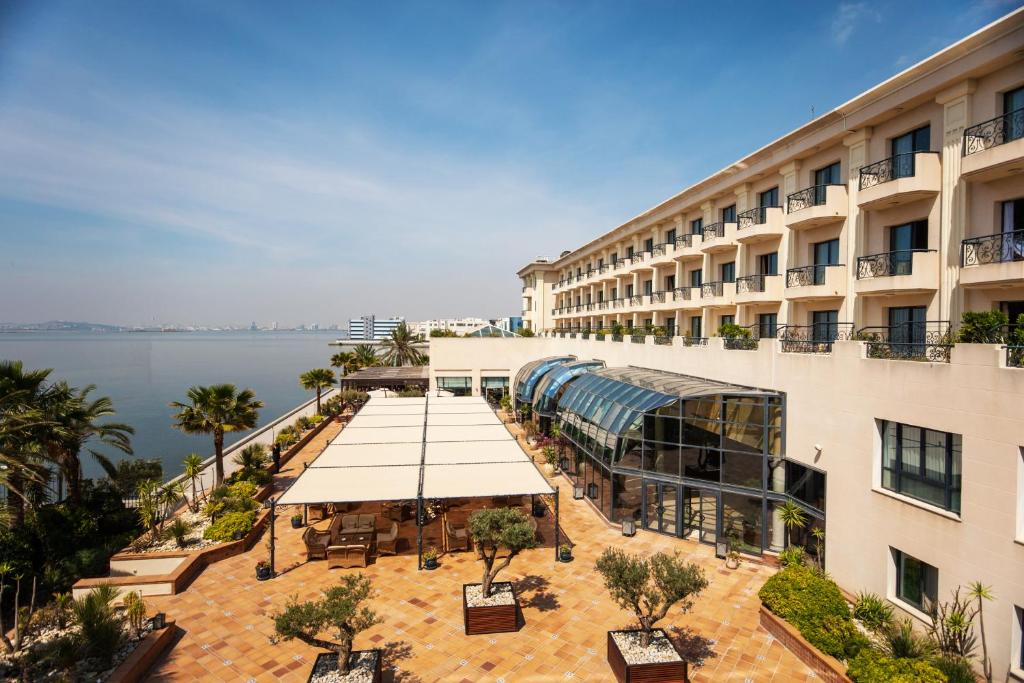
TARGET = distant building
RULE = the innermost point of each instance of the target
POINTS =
(458, 325)
(370, 327)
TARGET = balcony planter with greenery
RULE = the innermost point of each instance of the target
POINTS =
(296, 521)
(648, 587)
(340, 608)
(488, 607)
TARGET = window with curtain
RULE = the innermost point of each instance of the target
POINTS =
(922, 463)
(917, 582)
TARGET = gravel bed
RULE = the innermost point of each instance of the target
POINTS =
(501, 594)
(659, 651)
(193, 541)
(363, 667)
(86, 670)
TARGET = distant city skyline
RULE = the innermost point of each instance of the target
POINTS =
(256, 161)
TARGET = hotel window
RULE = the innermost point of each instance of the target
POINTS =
(629, 252)
(600, 297)
(768, 264)
(728, 271)
(1014, 126)
(824, 326)
(917, 582)
(670, 326)
(697, 227)
(629, 291)
(648, 323)
(648, 287)
(670, 236)
(922, 463)
(768, 198)
(903, 148)
(695, 327)
(649, 244)
(615, 257)
(1017, 644)
(600, 263)
(727, 319)
(828, 175)
(696, 277)
(579, 271)
(767, 325)
(615, 293)
(729, 214)
(670, 283)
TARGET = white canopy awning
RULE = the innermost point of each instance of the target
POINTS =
(453, 452)
(459, 408)
(380, 435)
(443, 419)
(369, 455)
(468, 433)
(489, 479)
(353, 484)
(387, 420)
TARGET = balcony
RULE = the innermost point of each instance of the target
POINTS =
(816, 282)
(757, 289)
(718, 294)
(661, 297)
(718, 237)
(899, 180)
(813, 338)
(994, 149)
(687, 297)
(816, 205)
(992, 260)
(898, 272)
(662, 253)
(636, 300)
(759, 224)
(927, 341)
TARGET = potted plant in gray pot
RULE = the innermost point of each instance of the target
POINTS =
(648, 587)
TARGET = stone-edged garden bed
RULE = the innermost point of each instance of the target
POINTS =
(137, 664)
(827, 668)
(660, 662)
(498, 613)
(365, 666)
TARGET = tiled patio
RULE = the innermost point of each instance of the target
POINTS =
(225, 613)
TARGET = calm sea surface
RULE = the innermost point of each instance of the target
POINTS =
(143, 372)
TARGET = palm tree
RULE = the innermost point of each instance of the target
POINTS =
(981, 592)
(193, 465)
(398, 348)
(80, 418)
(792, 516)
(217, 409)
(343, 361)
(365, 356)
(317, 380)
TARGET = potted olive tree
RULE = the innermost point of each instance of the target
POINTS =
(489, 607)
(342, 609)
(648, 587)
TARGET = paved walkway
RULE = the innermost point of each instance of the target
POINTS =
(226, 613)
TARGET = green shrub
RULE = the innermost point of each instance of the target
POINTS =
(226, 526)
(955, 669)
(793, 555)
(872, 611)
(733, 331)
(99, 625)
(815, 606)
(982, 327)
(873, 667)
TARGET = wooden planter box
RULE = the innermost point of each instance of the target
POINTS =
(327, 655)
(657, 672)
(490, 618)
(138, 663)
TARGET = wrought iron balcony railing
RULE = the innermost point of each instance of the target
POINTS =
(619, 263)
(714, 231)
(636, 300)
(684, 241)
(1015, 356)
(602, 305)
(994, 132)
(616, 337)
(657, 297)
(815, 195)
(659, 249)
(662, 340)
(898, 166)
(805, 276)
(685, 293)
(711, 289)
(925, 340)
(888, 264)
(751, 283)
(740, 343)
(599, 336)
(639, 256)
(585, 335)
(637, 338)
(694, 341)
(605, 268)
(756, 216)
(813, 338)
(999, 248)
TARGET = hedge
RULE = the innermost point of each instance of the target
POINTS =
(814, 605)
(227, 524)
(873, 667)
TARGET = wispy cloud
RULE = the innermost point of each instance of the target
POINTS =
(849, 17)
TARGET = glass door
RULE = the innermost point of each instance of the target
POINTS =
(904, 240)
(1013, 127)
(903, 148)
(661, 508)
(907, 328)
(825, 254)
(1013, 230)
(824, 326)
(708, 516)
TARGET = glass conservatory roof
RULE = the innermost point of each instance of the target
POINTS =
(547, 388)
(613, 399)
(529, 374)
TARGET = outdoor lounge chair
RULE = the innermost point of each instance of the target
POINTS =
(387, 542)
(349, 524)
(316, 543)
(367, 523)
(458, 537)
(346, 556)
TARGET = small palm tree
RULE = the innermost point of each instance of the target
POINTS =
(981, 593)
(365, 356)
(317, 380)
(792, 516)
(398, 348)
(193, 466)
(343, 361)
(217, 409)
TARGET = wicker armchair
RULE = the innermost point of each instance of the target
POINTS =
(457, 536)
(346, 556)
(387, 542)
(316, 543)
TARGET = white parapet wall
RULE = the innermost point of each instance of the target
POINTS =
(834, 402)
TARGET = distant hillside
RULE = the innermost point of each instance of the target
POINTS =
(59, 325)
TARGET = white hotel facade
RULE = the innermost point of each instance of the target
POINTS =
(850, 248)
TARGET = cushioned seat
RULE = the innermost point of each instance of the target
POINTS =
(346, 556)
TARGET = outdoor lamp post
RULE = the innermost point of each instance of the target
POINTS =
(577, 492)
(629, 527)
(271, 503)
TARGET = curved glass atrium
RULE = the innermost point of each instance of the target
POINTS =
(680, 455)
(530, 374)
(551, 386)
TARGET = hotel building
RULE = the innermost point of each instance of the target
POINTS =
(849, 248)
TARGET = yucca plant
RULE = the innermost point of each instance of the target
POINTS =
(901, 641)
(135, 611)
(98, 623)
(193, 466)
(179, 530)
(873, 612)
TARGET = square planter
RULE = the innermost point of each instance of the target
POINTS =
(490, 618)
(326, 663)
(653, 672)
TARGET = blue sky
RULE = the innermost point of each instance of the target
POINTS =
(217, 162)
